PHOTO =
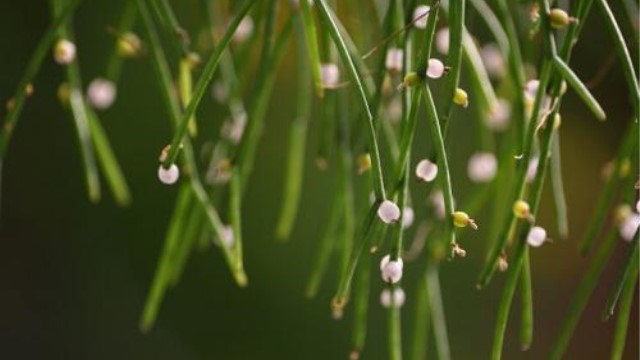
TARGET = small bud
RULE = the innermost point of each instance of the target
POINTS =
(557, 121)
(559, 18)
(389, 212)
(537, 236)
(129, 45)
(101, 93)
(522, 210)
(64, 52)
(233, 129)
(407, 217)
(391, 270)
(364, 163)
(435, 68)
(621, 213)
(168, 176)
(426, 170)
(420, 16)
(458, 251)
(461, 98)
(503, 265)
(410, 80)
(394, 60)
(498, 117)
(64, 93)
(624, 168)
(442, 41)
(396, 302)
(461, 219)
(330, 74)
(629, 228)
(193, 59)
(244, 30)
(482, 167)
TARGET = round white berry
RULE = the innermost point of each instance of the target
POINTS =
(397, 301)
(227, 236)
(64, 52)
(437, 202)
(330, 74)
(393, 60)
(389, 212)
(531, 88)
(537, 236)
(421, 13)
(532, 170)
(101, 93)
(498, 117)
(629, 227)
(426, 170)
(244, 30)
(168, 176)
(407, 217)
(435, 68)
(493, 60)
(391, 270)
(482, 167)
(442, 41)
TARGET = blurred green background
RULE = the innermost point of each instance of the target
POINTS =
(74, 276)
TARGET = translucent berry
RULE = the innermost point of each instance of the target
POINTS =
(168, 176)
(389, 212)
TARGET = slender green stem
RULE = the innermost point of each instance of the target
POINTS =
(356, 78)
(559, 198)
(629, 269)
(235, 215)
(361, 307)
(297, 144)
(30, 73)
(163, 75)
(622, 323)
(623, 54)
(526, 299)
(167, 18)
(107, 161)
(203, 83)
(444, 176)
(395, 331)
(580, 88)
(608, 193)
(163, 270)
(309, 29)
(125, 24)
(437, 312)
(422, 320)
(454, 57)
(493, 24)
(583, 293)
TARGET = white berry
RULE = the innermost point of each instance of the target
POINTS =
(629, 227)
(391, 270)
(397, 301)
(244, 30)
(330, 74)
(168, 176)
(227, 236)
(537, 236)
(426, 170)
(101, 93)
(482, 167)
(435, 68)
(389, 212)
(407, 217)
(64, 52)
(532, 170)
(498, 117)
(437, 202)
(421, 13)
(493, 60)
(442, 40)
(394, 60)
(531, 88)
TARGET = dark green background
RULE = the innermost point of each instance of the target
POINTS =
(74, 276)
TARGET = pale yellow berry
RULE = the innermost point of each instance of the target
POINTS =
(461, 219)
(461, 98)
(521, 209)
(559, 18)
